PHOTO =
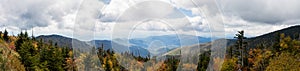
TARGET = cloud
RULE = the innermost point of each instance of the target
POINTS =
(49, 16)
(264, 11)
(101, 17)
(35, 13)
(252, 29)
(184, 16)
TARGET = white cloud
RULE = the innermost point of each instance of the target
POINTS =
(35, 13)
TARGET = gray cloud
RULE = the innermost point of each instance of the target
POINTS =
(264, 11)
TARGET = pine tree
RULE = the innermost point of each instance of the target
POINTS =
(203, 61)
(241, 45)
(5, 35)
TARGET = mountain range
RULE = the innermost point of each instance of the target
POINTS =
(167, 44)
(138, 46)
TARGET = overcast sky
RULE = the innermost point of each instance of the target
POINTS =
(106, 19)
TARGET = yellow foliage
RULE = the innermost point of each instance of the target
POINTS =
(229, 65)
(284, 62)
(110, 63)
(9, 59)
(70, 53)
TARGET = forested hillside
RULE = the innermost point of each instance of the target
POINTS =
(270, 52)
(24, 53)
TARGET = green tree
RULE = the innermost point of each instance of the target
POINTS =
(203, 61)
(241, 45)
(29, 56)
(52, 57)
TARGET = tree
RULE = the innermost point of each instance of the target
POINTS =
(108, 60)
(38, 55)
(230, 51)
(203, 61)
(241, 44)
(9, 61)
(29, 56)
(229, 64)
(5, 35)
(276, 46)
(285, 62)
(52, 56)
(259, 58)
(170, 64)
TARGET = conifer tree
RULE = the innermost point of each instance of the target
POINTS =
(5, 35)
(241, 45)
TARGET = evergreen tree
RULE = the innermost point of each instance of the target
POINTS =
(241, 44)
(276, 45)
(203, 61)
(29, 56)
(5, 35)
(40, 57)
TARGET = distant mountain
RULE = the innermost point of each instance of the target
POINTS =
(119, 47)
(170, 40)
(153, 45)
(98, 43)
(157, 45)
(64, 41)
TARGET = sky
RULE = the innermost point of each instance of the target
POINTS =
(108, 19)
